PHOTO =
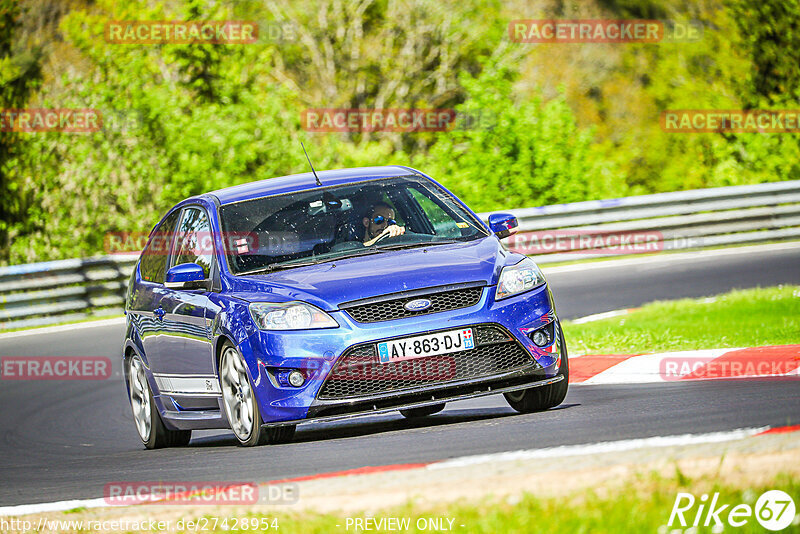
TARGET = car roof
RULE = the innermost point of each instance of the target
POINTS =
(300, 182)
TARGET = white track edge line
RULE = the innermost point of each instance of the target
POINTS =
(59, 506)
(63, 327)
(602, 315)
(667, 257)
(598, 448)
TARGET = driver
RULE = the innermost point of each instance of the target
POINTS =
(380, 223)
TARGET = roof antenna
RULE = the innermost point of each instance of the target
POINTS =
(309, 162)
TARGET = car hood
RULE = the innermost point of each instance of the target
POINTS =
(327, 285)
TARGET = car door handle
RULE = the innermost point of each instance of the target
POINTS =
(160, 312)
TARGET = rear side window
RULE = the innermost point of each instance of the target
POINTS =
(194, 243)
(153, 265)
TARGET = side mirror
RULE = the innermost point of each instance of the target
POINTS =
(503, 224)
(186, 276)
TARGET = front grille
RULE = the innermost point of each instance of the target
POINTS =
(387, 310)
(359, 372)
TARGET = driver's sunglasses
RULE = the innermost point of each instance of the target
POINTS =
(379, 219)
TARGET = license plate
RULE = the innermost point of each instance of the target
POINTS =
(427, 345)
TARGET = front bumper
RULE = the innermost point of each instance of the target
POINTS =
(407, 400)
(317, 353)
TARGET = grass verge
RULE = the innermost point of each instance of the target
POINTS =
(643, 506)
(741, 318)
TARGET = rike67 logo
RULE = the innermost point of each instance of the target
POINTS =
(774, 510)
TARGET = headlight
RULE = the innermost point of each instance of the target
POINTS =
(516, 279)
(289, 316)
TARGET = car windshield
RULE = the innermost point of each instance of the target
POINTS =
(329, 223)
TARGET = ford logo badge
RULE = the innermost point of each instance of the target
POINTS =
(417, 305)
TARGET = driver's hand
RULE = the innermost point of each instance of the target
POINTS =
(389, 231)
(394, 230)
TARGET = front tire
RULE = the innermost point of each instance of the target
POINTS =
(543, 397)
(241, 406)
(149, 425)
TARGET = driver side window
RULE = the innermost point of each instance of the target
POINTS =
(443, 223)
(194, 243)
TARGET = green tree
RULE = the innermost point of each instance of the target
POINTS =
(770, 31)
(168, 134)
(20, 75)
(519, 153)
(379, 53)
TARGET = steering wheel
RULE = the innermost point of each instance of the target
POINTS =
(381, 238)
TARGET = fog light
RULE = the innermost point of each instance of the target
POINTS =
(541, 338)
(292, 378)
(296, 378)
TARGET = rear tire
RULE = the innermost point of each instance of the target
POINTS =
(543, 397)
(149, 425)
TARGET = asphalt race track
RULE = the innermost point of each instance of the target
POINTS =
(67, 439)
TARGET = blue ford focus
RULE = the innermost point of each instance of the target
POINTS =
(318, 298)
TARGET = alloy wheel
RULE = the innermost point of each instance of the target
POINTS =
(237, 394)
(140, 398)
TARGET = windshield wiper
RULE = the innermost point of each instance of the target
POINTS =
(399, 246)
(289, 265)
